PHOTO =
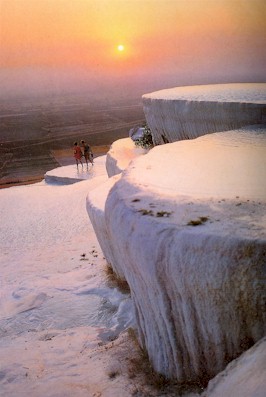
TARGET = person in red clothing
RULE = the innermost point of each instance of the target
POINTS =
(77, 154)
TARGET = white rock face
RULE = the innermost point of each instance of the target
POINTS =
(244, 377)
(221, 165)
(95, 207)
(189, 112)
(117, 159)
(192, 252)
(120, 155)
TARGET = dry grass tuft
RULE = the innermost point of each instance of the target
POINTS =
(200, 221)
(139, 365)
(115, 281)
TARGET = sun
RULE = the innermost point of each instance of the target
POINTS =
(120, 47)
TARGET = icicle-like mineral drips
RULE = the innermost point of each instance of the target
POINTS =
(189, 112)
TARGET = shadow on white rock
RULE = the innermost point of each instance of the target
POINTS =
(243, 377)
(188, 112)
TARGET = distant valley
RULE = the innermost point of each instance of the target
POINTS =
(31, 131)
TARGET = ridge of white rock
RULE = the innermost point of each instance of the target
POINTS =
(120, 154)
(189, 112)
(192, 253)
(245, 376)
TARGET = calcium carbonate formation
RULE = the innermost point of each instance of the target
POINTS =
(189, 112)
(185, 226)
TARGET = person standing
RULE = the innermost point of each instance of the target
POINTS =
(77, 154)
(87, 152)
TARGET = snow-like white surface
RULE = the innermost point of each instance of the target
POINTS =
(72, 174)
(198, 291)
(237, 92)
(219, 165)
(244, 377)
(120, 154)
(185, 225)
(189, 112)
(56, 306)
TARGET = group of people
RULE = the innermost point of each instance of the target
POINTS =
(82, 151)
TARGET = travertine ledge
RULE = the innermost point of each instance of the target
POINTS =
(120, 154)
(189, 112)
(193, 252)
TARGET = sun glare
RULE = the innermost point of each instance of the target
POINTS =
(120, 47)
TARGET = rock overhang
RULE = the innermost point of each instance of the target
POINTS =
(188, 112)
(213, 93)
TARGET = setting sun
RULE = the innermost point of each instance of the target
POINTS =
(49, 45)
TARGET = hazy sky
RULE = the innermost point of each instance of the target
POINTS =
(72, 44)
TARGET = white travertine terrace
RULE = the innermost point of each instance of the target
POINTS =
(220, 165)
(185, 225)
(71, 174)
(198, 290)
(189, 112)
(120, 154)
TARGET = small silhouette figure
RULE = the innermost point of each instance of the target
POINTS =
(77, 154)
(88, 155)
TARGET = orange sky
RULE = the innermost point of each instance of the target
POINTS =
(174, 39)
